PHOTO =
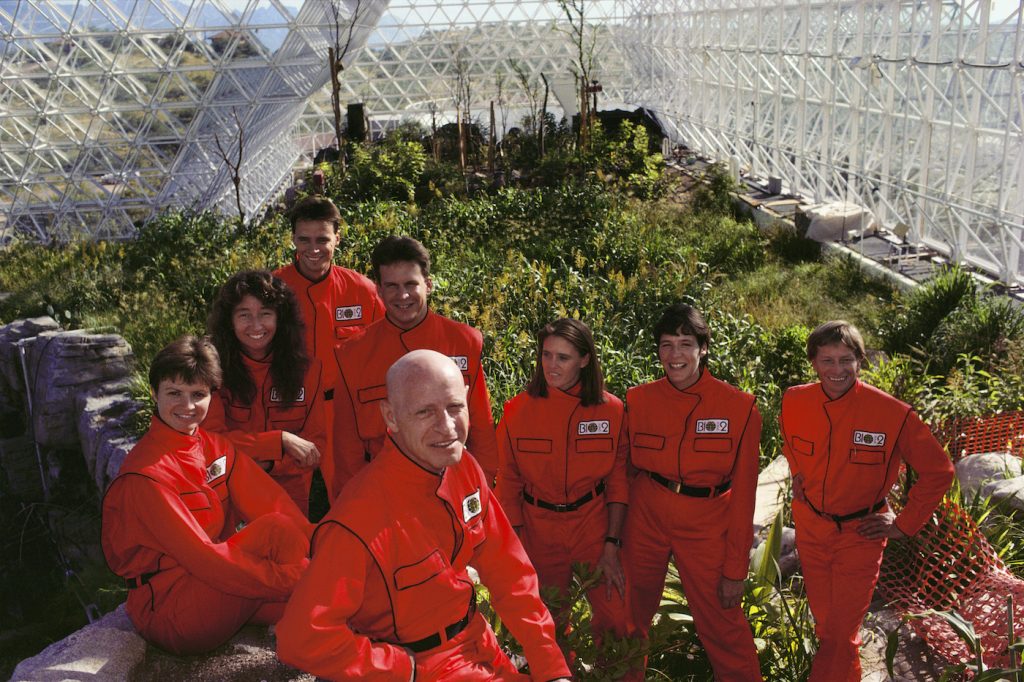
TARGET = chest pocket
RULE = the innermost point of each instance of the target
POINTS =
(239, 414)
(289, 418)
(602, 445)
(803, 447)
(372, 393)
(539, 446)
(705, 444)
(432, 565)
(196, 501)
(648, 441)
(867, 456)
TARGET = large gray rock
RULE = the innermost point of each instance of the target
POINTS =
(62, 365)
(108, 649)
(111, 650)
(12, 385)
(1009, 494)
(975, 471)
(104, 415)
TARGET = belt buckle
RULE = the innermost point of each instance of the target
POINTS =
(562, 507)
(676, 486)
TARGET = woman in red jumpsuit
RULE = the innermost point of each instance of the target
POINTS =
(844, 441)
(695, 446)
(192, 581)
(563, 447)
(269, 405)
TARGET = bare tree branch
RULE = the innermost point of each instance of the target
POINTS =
(234, 162)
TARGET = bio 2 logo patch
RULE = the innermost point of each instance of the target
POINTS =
(348, 313)
(275, 397)
(712, 426)
(461, 361)
(595, 427)
(869, 438)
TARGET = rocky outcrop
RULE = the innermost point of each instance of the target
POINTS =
(992, 474)
(104, 419)
(110, 649)
(12, 383)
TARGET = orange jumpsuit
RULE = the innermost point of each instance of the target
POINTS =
(359, 430)
(389, 581)
(707, 438)
(849, 452)
(554, 451)
(192, 582)
(334, 309)
(255, 428)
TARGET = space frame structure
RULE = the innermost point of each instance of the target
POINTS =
(112, 109)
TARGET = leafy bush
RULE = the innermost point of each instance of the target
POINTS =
(926, 308)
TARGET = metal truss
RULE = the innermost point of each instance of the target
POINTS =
(913, 109)
(109, 109)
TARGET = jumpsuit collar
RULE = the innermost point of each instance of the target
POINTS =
(172, 436)
(406, 470)
(696, 387)
(421, 324)
(853, 391)
(573, 393)
(295, 262)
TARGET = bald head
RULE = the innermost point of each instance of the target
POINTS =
(426, 410)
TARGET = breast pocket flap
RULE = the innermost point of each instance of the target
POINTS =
(540, 446)
(196, 501)
(859, 456)
(373, 393)
(648, 441)
(588, 445)
(712, 444)
(804, 447)
(419, 572)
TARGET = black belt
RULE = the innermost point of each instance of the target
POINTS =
(133, 583)
(689, 490)
(568, 507)
(840, 519)
(434, 640)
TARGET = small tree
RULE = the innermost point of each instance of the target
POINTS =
(233, 158)
(584, 41)
(342, 31)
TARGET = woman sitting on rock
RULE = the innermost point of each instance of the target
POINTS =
(193, 582)
(269, 404)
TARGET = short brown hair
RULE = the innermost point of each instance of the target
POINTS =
(683, 320)
(395, 249)
(836, 331)
(316, 207)
(188, 358)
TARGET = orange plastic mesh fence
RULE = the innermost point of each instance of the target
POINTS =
(949, 565)
(972, 435)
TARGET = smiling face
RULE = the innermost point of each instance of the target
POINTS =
(314, 241)
(254, 323)
(561, 363)
(680, 356)
(182, 406)
(837, 367)
(427, 414)
(404, 290)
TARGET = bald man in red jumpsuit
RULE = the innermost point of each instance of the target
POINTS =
(387, 595)
(402, 268)
(844, 441)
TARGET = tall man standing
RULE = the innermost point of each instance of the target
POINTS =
(335, 302)
(387, 595)
(401, 267)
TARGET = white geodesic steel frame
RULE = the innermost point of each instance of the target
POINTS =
(913, 109)
(108, 108)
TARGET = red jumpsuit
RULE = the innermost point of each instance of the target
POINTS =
(705, 437)
(556, 451)
(849, 452)
(359, 430)
(389, 574)
(255, 428)
(194, 583)
(334, 309)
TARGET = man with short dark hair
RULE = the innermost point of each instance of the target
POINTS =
(387, 595)
(401, 267)
(336, 303)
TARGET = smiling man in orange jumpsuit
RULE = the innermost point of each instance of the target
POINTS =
(387, 595)
(336, 303)
(401, 266)
(695, 442)
(844, 441)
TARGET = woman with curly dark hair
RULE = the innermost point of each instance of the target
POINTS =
(268, 405)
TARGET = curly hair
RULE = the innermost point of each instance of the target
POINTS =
(578, 334)
(289, 360)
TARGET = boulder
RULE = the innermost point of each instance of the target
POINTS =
(104, 417)
(62, 365)
(974, 471)
(1008, 493)
(12, 383)
(108, 649)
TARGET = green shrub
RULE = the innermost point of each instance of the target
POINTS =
(925, 309)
